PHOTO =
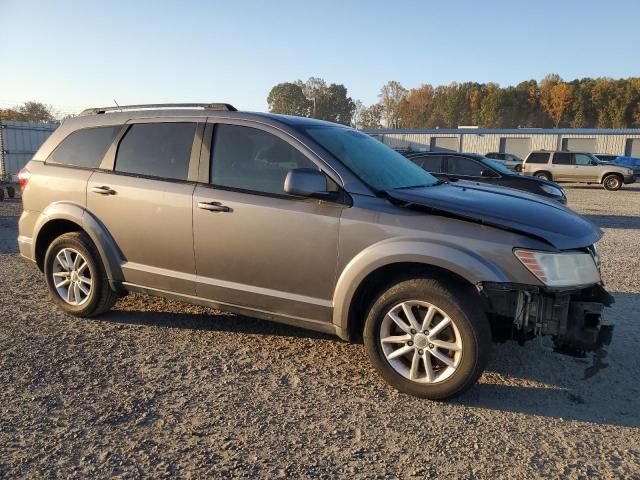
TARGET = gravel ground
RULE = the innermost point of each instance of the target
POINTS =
(157, 388)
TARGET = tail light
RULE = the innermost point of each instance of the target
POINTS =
(23, 178)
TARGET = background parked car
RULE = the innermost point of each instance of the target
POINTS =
(581, 167)
(509, 160)
(474, 167)
(631, 162)
(605, 157)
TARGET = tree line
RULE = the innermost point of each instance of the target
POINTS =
(29, 112)
(550, 103)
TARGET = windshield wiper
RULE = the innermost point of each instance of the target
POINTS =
(437, 182)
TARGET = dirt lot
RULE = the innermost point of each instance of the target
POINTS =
(157, 388)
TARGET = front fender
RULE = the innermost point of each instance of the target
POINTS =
(72, 212)
(460, 261)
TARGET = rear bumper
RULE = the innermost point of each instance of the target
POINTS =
(629, 179)
(574, 317)
(25, 246)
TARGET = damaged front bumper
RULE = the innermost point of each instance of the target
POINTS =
(574, 317)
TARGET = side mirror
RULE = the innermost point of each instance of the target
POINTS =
(306, 182)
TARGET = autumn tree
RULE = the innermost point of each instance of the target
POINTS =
(561, 98)
(414, 110)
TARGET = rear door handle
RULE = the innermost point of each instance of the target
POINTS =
(213, 206)
(103, 190)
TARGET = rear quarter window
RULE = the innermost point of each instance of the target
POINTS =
(538, 158)
(84, 148)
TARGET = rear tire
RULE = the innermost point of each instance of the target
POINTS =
(612, 182)
(543, 175)
(76, 277)
(418, 369)
(518, 168)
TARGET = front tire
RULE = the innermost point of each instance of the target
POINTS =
(427, 338)
(612, 182)
(543, 176)
(76, 277)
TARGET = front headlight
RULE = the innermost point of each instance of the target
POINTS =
(551, 190)
(560, 269)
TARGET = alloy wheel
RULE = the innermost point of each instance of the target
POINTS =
(612, 182)
(72, 276)
(421, 342)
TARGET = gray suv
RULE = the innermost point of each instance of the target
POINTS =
(312, 224)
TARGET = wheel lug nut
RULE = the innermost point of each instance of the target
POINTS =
(420, 352)
(413, 332)
(410, 343)
(431, 345)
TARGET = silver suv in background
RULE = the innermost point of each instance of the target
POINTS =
(580, 167)
(312, 224)
(509, 160)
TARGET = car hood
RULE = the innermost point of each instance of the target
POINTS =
(535, 180)
(503, 208)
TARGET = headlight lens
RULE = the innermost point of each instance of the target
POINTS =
(551, 190)
(560, 269)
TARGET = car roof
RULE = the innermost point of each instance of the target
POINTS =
(477, 156)
(122, 116)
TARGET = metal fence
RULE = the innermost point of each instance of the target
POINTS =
(18, 142)
(516, 141)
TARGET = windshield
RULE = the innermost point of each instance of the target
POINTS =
(498, 166)
(373, 162)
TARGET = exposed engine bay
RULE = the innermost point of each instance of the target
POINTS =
(573, 317)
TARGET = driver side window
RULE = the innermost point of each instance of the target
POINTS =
(246, 158)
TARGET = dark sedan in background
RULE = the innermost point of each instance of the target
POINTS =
(476, 168)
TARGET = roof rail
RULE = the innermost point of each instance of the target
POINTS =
(207, 106)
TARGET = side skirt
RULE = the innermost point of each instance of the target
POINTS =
(314, 325)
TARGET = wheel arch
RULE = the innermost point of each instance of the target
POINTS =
(606, 174)
(64, 217)
(542, 170)
(380, 265)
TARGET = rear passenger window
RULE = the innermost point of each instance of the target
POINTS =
(84, 148)
(538, 158)
(156, 149)
(562, 159)
(464, 166)
(249, 159)
(431, 163)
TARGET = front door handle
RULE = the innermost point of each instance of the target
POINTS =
(213, 206)
(103, 190)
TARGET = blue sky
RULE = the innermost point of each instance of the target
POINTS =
(75, 54)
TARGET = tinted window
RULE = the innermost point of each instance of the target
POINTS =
(250, 159)
(84, 148)
(497, 156)
(562, 159)
(431, 163)
(538, 158)
(374, 163)
(464, 166)
(582, 159)
(157, 149)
